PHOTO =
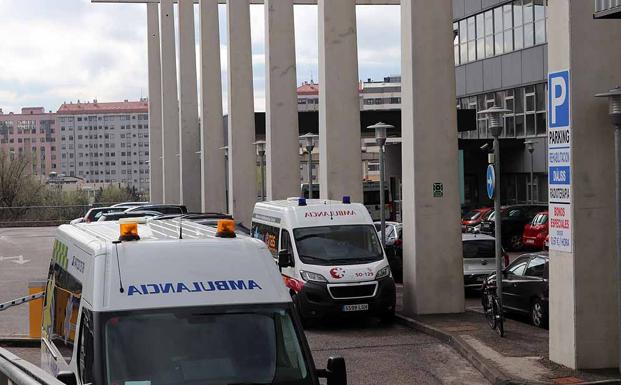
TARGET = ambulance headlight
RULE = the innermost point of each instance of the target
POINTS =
(312, 277)
(383, 272)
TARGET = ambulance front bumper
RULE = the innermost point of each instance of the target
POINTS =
(321, 299)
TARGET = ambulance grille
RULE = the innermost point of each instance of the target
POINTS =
(353, 291)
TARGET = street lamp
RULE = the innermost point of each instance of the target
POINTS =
(495, 122)
(614, 112)
(530, 145)
(260, 144)
(308, 141)
(380, 138)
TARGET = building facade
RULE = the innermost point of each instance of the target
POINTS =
(32, 134)
(105, 142)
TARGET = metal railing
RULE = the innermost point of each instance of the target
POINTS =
(16, 371)
(25, 216)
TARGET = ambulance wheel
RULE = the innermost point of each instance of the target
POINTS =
(388, 317)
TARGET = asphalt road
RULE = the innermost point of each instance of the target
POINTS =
(375, 353)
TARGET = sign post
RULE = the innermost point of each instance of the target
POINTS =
(559, 161)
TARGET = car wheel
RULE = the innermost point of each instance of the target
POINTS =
(516, 242)
(538, 314)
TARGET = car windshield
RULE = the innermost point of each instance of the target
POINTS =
(346, 244)
(186, 347)
(540, 219)
(472, 215)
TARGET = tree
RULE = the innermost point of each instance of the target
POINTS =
(114, 194)
(18, 188)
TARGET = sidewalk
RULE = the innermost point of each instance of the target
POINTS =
(521, 357)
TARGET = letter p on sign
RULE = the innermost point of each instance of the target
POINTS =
(558, 99)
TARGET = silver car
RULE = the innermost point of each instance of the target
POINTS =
(479, 258)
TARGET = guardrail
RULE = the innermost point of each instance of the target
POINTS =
(607, 9)
(29, 216)
(16, 371)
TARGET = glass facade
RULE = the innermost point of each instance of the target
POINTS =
(510, 27)
(526, 119)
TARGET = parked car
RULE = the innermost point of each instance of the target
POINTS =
(472, 218)
(95, 213)
(536, 232)
(525, 287)
(479, 251)
(124, 214)
(164, 209)
(130, 204)
(513, 220)
(393, 247)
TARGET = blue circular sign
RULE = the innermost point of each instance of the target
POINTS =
(490, 183)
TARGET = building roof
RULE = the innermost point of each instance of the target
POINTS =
(104, 108)
(308, 89)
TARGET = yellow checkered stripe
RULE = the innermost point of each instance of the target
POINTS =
(60, 254)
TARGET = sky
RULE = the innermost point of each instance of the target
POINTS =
(56, 51)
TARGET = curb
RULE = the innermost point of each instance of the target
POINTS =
(491, 372)
(19, 341)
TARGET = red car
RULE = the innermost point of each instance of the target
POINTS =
(536, 232)
(473, 218)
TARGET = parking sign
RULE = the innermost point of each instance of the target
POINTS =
(559, 161)
(558, 99)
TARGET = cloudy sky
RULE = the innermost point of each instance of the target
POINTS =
(52, 51)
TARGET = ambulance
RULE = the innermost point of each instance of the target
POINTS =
(159, 302)
(330, 256)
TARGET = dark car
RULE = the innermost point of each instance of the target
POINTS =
(164, 209)
(514, 218)
(525, 287)
(124, 214)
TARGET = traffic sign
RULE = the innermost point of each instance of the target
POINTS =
(490, 181)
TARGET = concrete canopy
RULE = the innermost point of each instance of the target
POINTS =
(307, 2)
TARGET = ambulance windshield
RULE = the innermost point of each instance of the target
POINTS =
(200, 347)
(343, 245)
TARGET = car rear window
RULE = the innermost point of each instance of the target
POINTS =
(483, 248)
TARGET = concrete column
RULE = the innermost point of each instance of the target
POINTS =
(156, 186)
(583, 284)
(281, 117)
(432, 263)
(242, 153)
(170, 107)
(212, 131)
(189, 132)
(339, 101)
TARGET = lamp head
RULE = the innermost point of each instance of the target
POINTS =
(260, 144)
(614, 104)
(495, 119)
(308, 140)
(380, 130)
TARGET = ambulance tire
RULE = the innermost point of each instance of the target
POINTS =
(388, 317)
(306, 322)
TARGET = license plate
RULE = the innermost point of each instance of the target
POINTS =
(358, 307)
(529, 241)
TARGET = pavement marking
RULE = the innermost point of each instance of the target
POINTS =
(19, 259)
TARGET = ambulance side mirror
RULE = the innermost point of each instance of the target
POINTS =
(284, 259)
(335, 371)
(66, 377)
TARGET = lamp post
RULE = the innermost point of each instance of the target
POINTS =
(260, 144)
(614, 112)
(380, 138)
(308, 142)
(495, 122)
(530, 145)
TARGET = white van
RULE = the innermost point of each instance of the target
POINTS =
(165, 302)
(330, 256)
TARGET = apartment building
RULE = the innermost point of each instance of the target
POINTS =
(31, 134)
(105, 142)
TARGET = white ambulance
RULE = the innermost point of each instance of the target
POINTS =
(330, 256)
(168, 302)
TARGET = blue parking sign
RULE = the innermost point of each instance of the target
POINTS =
(558, 99)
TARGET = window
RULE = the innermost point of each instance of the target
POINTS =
(489, 33)
(498, 31)
(463, 41)
(480, 25)
(507, 11)
(86, 349)
(536, 267)
(285, 243)
(268, 234)
(472, 52)
(518, 266)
